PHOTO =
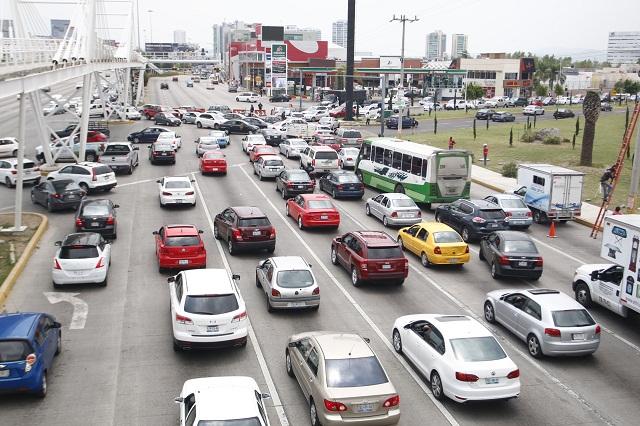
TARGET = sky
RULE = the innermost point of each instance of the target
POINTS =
(578, 28)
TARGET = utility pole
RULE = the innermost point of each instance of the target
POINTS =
(404, 20)
(635, 178)
(351, 32)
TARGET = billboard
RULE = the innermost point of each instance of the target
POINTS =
(303, 51)
(278, 65)
(390, 62)
(267, 69)
(272, 33)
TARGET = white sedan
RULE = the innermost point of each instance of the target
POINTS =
(533, 110)
(83, 258)
(176, 190)
(291, 148)
(249, 141)
(8, 147)
(459, 356)
(347, 157)
(171, 137)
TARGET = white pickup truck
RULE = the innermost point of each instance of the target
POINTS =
(296, 128)
(120, 156)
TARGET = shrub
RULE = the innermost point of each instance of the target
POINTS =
(542, 134)
(552, 140)
(566, 140)
(527, 137)
(510, 170)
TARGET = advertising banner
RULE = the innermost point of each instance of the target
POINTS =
(267, 69)
(279, 65)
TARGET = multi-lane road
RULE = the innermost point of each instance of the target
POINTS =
(120, 368)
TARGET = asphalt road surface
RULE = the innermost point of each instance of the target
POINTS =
(120, 368)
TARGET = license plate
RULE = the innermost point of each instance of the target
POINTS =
(300, 187)
(4, 373)
(493, 225)
(324, 217)
(386, 266)
(522, 263)
(71, 197)
(407, 214)
(256, 233)
(295, 304)
(577, 336)
(178, 201)
(363, 408)
(453, 260)
(164, 153)
(214, 169)
(212, 329)
(183, 262)
(492, 380)
(273, 169)
(95, 224)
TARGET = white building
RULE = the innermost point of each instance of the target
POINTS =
(459, 45)
(623, 47)
(292, 32)
(499, 76)
(339, 33)
(436, 46)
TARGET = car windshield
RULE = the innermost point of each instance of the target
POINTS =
(95, 210)
(354, 372)
(177, 184)
(319, 204)
(253, 421)
(446, 237)
(102, 170)
(294, 279)
(326, 155)
(64, 185)
(519, 246)
(477, 349)
(351, 134)
(211, 304)
(299, 176)
(572, 318)
(182, 241)
(403, 202)
(385, 253)
(352, 152)
(14, 350)
(348, 179)
(274, 163)
(512, 203)
(254, 221)
(491, 214)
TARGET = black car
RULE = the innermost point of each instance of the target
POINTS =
(98, 216)
(521, 102)
(292, 182)
(164, 85)
(485, 114)
(148, 135)
(237, 126)
(256, 122)
(280, 98)
(93, 125)
(342, 184)
(503, 117)
(511, 254)
(273, 137)
(472, 218)
(605, 106)
(174, 78)
(162, 152)
(57, 194)
(233, 89)
(407, 122)
(563, 113)
(167, 119)
(232, 116)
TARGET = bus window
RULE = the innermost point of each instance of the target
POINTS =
(365, 152)
(388, 157)
(425, 172)
(379, 155)
(406, 163)
(397, 160)
(416, 166)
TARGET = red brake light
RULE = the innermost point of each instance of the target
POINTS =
(56, 264)
(529, 214)
(93, 175)
(339, 188)
(465, 377)
(79, 222)
(392, 402)
(514, 374)
(56, 196)
(437, 250)
(272, 234)
(166, 193)
(394, 214)
(100, 263)
(275, 293)
(189, 193)
(14, 172)
(240, 317)
(553, 332)
(334, 406)
(598, 329)
(508, 214)
(539, 261)
(183, 320)
(466, 249)
(236, 234)
(110, 220)
(316, 292)
(478, 219)
(503, 260)
(313, 163)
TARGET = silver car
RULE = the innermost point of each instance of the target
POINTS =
(517, 213)
(347, 157)
(190, 117)
(206, 143)
(268, 166)
(393, 209)
(551, 322)
(291, 148)
(288, 283)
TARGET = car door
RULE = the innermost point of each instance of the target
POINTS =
(159, 238)
(489, 247)
(261, 274)
(445, 214)
(408, 237)
(50, 334)
(374, 205)
(342, 249)
(70, 172)
(509, 310)
(310, 372)
(606, 288)
(413, 343)
(385, 208)
(298, 354)
(531, 318)
(41, 192)
(420, 242)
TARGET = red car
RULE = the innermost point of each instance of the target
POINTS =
(370, 256)
(260, 150)
(180, 247)
(536, 102)
(313, 211)
(149, 110)
(213, 162)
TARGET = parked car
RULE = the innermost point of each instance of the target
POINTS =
(563, 113)
(294, 181)
(347, 389)
(245, 228)
(435, 243)
(267, 166)
(393, 209)
(319, 159)
(550, 322)
(520, 102)
(250, 141)
(280, 98)
(166, 119)
(291, 148)
(313, 211)
(517, 213)
(97, 215)
(272, 137)
(207, 310)
(120, 156)
(9, 172)
(164, 86)
(247, 97)
(503, 116)
(472, 218)
(485, 114)
(8, 147)
(605, 106)
(57, 194)
(232, 88)
(342, 184)
(511, 254)
(150, 110)
(179, 247)
(236, 126)
(533, 110)
(407, 122)
(189, 83)
(29, 342)
(148, 135)
(258, 151)
(460, 358)
(82, 258)
(89, 176)
(288, 283)
(176, 190)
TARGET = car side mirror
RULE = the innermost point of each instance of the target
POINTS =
(594, 275)
(200, 231)
(158, 181)
(292, 344)
(56, 324)
(192, 180)
(171, 279)
(235, 277)
(265, 395)
(116, 206)
(58, 243)
(261, 263)
(178, 400)
(338, 239)
(155, 233)
(244, 139)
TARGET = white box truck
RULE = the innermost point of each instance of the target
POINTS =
(616, 284)
(551, 192)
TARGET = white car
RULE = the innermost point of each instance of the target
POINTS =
(210, 120)
(9, 172)
(330, 121)
(227, 400)
(347, 157)
(460, 358)
(430, 106)
(316, 113)
(249, 141)
(268, 166)
(172, 138)
(205, 144)
(8, 147)
(533, 110)
(288, 283)
(88, 176)
(176, 190)
(291, 148)
(82, 258)
(131, 113)
(207, 310)
(247, 97)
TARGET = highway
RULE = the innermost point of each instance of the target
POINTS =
(120, 368)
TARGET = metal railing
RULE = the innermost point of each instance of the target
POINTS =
(20, 52)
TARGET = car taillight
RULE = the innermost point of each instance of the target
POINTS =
(30, 360)
(478, 219)
(56, 264)
(94, 177)
(334, 406)
(529, 214)
(275, 293)
(349, 159)
(394, 214)
(290, 185)
(166, 193)
(313, 163)
(56, 196)
(316, 292)
(392, 402)
(514, 374)
(111, 220)
(553, 332)
(466, 249)
(14, 172)
(364, 266)
(598, 329)
(339, 187)
(183, 320)
(465, 377)
(272, 234)
(538, 261)
(240, 317)
(503, 260)
(236, 235)
(100, 263)
(418, 213)
(79, 222)
(189, 193)
(508, 214)
(437, 250)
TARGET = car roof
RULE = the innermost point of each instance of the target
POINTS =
(505, 196)
(343, 173)
(290, 262)
(484, 204)
(395, 196)
(343, 345)
(436, 226)
(513, 235)
(81, 239)
(453, 326)
(18, 325)
(376, 238)
(177, 178)
(322, 148)
(248, 211)
(14, 161)
(207, 281)
(180, 230)
(225, 398)
(552, 299)
(308, 197)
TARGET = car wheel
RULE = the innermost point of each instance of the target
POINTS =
(583, 295)
(49, 206)
(533, 345)
(42, 392)
(494, 271)
(84, 187)
(284, 194)
(103, 283)
(333, 193)
(269, 305)
(130, 170)
(355, 280)
(8, 183)
(385, 222)
(367, 210)
(287, 362)
(489, 313)
(198, 124)
(397, 341)
(481, 254)
(313, 413)
(231, 247)
(300, 224)
(334, 256)
(436, 386)
(424, 259)
(465, 234)
(59, 344)
(14, 153)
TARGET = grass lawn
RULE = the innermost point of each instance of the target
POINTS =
(609, 133)
(19, 241)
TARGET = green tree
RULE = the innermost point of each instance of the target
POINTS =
(474, 91)
(540, 90)
(558, 89)
(591, 112)
(511, 138)
(631, 87)
(548, 69)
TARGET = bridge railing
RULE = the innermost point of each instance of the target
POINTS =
(24, 52)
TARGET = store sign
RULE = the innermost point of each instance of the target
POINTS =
(267, 69)
(516, 83)
(279, 65)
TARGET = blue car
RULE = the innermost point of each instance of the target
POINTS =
(148, 135)
(342, 184)
(28, 344)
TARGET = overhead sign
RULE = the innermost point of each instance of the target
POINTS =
(279, 65)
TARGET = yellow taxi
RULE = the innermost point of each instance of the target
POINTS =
(435, 243)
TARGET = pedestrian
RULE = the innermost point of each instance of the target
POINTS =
(357, 111)
(368, 120)
(260, 106)
(617, 211)
(273, 111)
(251, 109)
(605, 182)
(451, 142)
(283, 115)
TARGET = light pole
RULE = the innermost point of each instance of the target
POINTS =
(404, 20)
(150, 11)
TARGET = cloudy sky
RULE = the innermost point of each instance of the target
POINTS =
(576, 27)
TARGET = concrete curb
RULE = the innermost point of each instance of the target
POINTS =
(16, 271)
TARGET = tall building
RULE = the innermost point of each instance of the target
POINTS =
(292, 32)
(436, 46)
(623, 47)
(180, 36)
(459, 45)
(339, 33)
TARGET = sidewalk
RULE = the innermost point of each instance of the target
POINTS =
(499, 183)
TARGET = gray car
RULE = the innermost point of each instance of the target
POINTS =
(517, 213)
(393, 209)
(288, 283)
(291, 148)
(190, 117)
(348, 157)
(551, 322)
(206, 143)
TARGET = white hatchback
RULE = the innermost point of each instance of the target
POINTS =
(8, 147)
(171, 137)
(268, 166)
(89, 176)
(83, 258)
(288, 283)
(207, 310)
(177, 190)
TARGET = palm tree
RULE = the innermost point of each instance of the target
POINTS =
(591, 112)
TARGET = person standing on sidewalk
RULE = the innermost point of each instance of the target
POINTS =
(451, 142)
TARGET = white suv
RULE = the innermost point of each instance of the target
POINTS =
(207, 310)
(209, 120)
(88, 176)
(9, 172)
(247, 97)
(8, 147)
(319, 159)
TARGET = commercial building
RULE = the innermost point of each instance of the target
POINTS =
(59, 27)
(623, 47)
(459, 45)
(179, 36)
(339, 33)
(436, 48)
(292, 32)
(500, 76)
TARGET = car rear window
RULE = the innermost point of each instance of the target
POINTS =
(572, 318)
(294, 279)
(253, 421)
(28, 165)
(477, 349)
(64, 185)
(299, 176)
(182, 241)
(273, 163)
(117, 150)
(403, 203)
(78, 252)
(14, 350)
(519, 246)
(351, 134)
(354, 372)
(102, 170)
(384, 253)
(95, 210)
(491, 214)
(177, 184)
(320, 204)
(211, 304)
(446, 237)
(162, 147)
(254, 221)
(513, 203)
(326, 155)
(348, 179)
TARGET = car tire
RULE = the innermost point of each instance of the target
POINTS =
(583, 295)
(59, 344)
(465, 234)
(130, 170)
(103, 283)
(42, 391)
(260, 177)
(84, 187)
(424, 259)
(90, 157)
(7, 182)
(385, 221)
(313, 413)
(176, 347)
(300, 224)
(397, 341)
(232, 247)
(481, 254)
(284, 194)
(489, 313)
(287, 363)
(199, 124)
(533, 346)
(269, 305)
(14, 153)
(334, 256)
(355, 280)
(49, 206)
(436, 386)
(494, 271)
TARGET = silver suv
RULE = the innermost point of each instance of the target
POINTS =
(551, 322)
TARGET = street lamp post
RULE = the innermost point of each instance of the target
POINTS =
(400, 94)
(150, 11)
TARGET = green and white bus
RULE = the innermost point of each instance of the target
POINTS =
(425, 173)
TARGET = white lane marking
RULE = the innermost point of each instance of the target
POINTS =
(80, 307)
(452, 421)
(6, 208)
(138, 182)
(557, 250)
(526, 357)
(275, 397)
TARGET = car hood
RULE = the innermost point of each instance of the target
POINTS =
(587, 269)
